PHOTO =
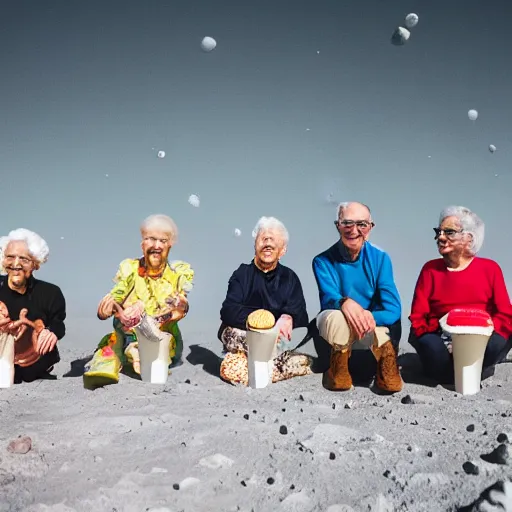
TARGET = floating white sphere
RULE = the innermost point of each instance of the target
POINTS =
(237, 232)
(400, 36)
(411, 20)
(492, 148)
(208, 44)
(194, 200)
(161, 154)
(473, 114)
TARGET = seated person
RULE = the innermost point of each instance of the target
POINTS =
(459, 279)
(31, 311)
(263, 284)
(359, 301)
(151, 286)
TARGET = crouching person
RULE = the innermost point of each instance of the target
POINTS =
(359, 301)
(264, 284)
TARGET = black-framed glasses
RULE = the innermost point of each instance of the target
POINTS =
(349, 224)
(448, 233)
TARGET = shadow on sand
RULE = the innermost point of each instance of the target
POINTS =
(202, 356)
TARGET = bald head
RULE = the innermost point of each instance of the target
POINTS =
(354, 211)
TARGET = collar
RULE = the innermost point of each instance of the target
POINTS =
(268, 275)
(344, 254)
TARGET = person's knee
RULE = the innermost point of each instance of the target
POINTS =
(333, 327)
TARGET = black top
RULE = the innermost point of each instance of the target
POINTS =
(278, 291)
(44, 301)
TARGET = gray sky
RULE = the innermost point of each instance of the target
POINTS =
(296, 102)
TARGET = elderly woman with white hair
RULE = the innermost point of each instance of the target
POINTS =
(32, 311)
(264, 284)
(459, 279)
(150, 286)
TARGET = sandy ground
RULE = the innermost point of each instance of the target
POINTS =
(199, 444)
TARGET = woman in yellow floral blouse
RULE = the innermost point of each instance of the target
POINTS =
(149, 285)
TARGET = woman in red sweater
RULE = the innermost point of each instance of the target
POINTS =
(458, 279)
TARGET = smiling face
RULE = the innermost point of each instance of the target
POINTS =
(354, 225)
(155, 247)
(19, 264)
(269, 249)
(451, 239)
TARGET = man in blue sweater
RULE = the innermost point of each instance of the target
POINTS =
(359, 301)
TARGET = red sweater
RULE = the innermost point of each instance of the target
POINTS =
(438, 290)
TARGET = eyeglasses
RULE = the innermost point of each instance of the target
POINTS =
(451, 234)
(24, 261)
(359, 224)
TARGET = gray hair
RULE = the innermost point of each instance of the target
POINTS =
(344, 205)
(265, 223)
(470, 222)
(160, 222)
(37, 247)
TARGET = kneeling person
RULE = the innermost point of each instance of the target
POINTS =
(264, 284)
(32, 312)
(359, 301)
(149, 292)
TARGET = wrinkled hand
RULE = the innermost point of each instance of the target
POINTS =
(285, 325)
(359, 320)
(178, 308)
(106, 307)
(132, 315)
(46, 341)
(4, 318)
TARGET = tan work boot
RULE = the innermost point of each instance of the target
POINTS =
(388, 376)
(337, 377)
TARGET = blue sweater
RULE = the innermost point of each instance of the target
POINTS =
(368, 280)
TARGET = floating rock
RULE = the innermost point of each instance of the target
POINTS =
(216, 461)
(492, 148)
(497, 497)
(194, 200)
(411, 20)
(400, 36)
(208, 44)
(238, 232)
(470, 468)
(473, 114)
(161, 154)
(499, 455)
(20, 445)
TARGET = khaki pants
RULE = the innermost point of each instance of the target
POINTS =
(333, 328)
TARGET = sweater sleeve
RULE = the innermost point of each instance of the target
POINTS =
(502, 316)
(57, 315)
(233, 312)
(328, 288)
(296, 304)
(391, 305)
(124, 280)
(420, 308)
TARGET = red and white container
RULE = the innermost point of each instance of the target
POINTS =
(470, 330)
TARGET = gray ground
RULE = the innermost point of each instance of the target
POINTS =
(123, 448)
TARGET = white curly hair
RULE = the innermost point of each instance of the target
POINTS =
(37, 246)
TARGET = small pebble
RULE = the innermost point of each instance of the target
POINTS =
(502, 438)
(270, 480)
(470, 469)
(283, 430)
(246, 416)
(332, 455)
(176, 487)
(20, 445)
(470, 428)
(498, 456)
(243, 483)
(187, 381)
(407, 400)
(429, 454)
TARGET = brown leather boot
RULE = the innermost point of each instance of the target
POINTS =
(388, 376)
(337, 377)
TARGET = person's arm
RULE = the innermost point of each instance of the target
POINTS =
(57, 314)
(391, 305)
(328, 284)
(233, 312)
(295, 305)
(420, 308)
(124, 280)
(502, 316)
